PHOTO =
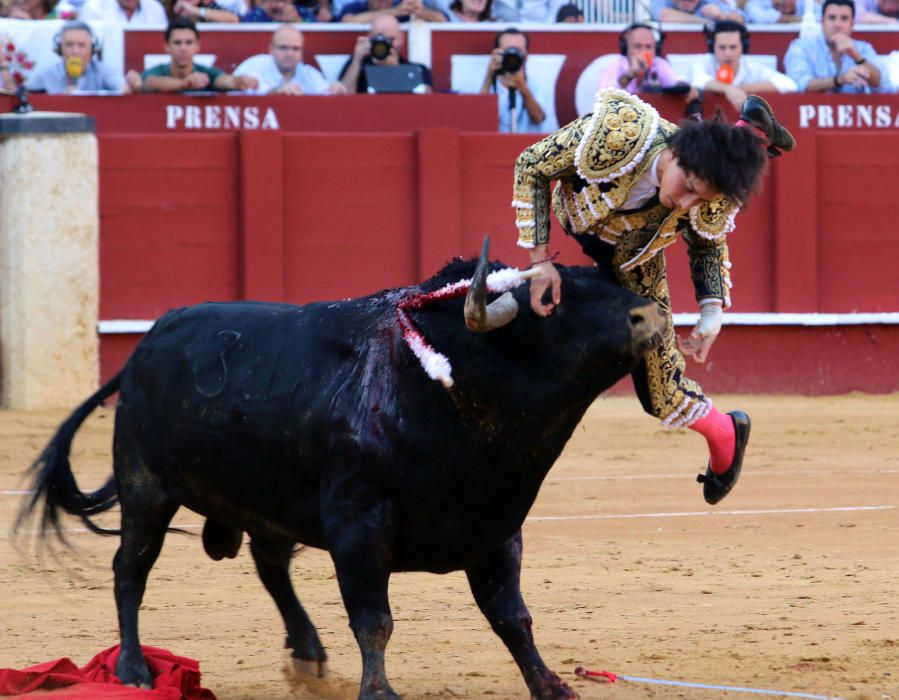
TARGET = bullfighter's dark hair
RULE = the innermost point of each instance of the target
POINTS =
(731, 158)
(512, 30)
(846, 3)
(180, 23)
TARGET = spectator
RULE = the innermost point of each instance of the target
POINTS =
(130, 13)
(32, 9)
(282, 71)
(353, 73)
(527, 10)
(78, 68)
(182, 43)
(285, 11)
(833, 61)
(640, 67)
(7, 81)
(570, 14)
(506, 77)
(470, 11)
(226, 11)
(693, 11)
(776, 11)
(725, 71)
(877, 11)
(361, 11)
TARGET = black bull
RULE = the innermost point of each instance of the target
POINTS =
(316, 424)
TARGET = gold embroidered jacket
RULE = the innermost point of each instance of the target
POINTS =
(596, 160)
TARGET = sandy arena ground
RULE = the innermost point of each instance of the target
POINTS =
(789, 584)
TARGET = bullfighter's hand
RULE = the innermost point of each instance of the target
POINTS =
(698, 344)
(547, 279)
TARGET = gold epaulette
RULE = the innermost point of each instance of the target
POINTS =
(618, 135)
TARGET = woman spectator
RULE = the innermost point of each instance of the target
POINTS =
(470, 11)
(32, 9)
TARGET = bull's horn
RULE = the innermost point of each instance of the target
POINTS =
(479, 317)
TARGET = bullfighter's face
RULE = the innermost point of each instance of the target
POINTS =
(679, 189)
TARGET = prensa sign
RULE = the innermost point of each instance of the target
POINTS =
(220, 117)
(848, 116)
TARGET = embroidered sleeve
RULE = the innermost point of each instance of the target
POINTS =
(536, 167)
(709, 267)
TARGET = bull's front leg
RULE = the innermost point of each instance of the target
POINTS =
(495, 583)
(359, 542)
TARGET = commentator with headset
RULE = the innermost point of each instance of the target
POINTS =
(726, 71)
(78, 67)
(641, 68)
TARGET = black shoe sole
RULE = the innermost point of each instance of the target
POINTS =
(716, 486)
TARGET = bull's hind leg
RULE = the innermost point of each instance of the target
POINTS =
(143, 532)
(495, 583)
(273, 564)
(146, 514)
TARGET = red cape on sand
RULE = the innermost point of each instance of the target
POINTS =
(174, 677)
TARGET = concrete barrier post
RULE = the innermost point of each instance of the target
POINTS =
(49, 260)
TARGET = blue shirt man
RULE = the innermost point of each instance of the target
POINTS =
(833, 61)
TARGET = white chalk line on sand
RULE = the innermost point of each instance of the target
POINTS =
(700, 513)
(616, 516)
(642, 477)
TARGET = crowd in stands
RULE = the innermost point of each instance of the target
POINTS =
(830, 60)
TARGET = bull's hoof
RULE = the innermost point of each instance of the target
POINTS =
(221, 540)
(310, 667)
(134, 673)
(553, 688)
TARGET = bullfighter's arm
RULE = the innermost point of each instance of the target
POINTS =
(536, 167)
(709, 268)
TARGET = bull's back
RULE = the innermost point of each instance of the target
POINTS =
(230, 404)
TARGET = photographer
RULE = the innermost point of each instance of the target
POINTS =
(506, 77)
(382, 46)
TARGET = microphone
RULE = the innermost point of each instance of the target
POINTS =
(725, 74)
(74, 68)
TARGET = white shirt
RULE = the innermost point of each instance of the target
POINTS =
(705, 69)
(149, 13)
(645, 188)
(265, 70)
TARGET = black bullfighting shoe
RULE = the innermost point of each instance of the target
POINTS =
(716, 486)
(759, 114)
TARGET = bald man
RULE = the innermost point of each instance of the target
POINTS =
(353, 74)
(281, 71)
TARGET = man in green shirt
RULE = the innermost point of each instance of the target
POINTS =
(182, 42)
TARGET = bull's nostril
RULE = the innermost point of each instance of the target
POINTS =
(637, 319)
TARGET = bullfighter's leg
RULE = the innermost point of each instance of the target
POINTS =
(356, 535)
(667, 393)
(146, 513)
(495, 583)
(272, 560)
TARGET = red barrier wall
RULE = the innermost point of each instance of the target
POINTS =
(299, 216)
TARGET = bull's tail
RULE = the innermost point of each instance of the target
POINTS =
(54, 483)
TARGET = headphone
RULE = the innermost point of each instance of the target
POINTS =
(69, 26)
(722, 26)
(657, 34)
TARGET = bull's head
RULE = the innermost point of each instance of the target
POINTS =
(479, 317)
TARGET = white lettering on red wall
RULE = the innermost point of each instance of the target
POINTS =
(219, 117)
(848, 117)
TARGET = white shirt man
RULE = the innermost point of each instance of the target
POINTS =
(282, 70)
(130, 13)
(727, 71)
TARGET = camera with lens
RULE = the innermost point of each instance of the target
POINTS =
(380, 47)
(511, 61)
